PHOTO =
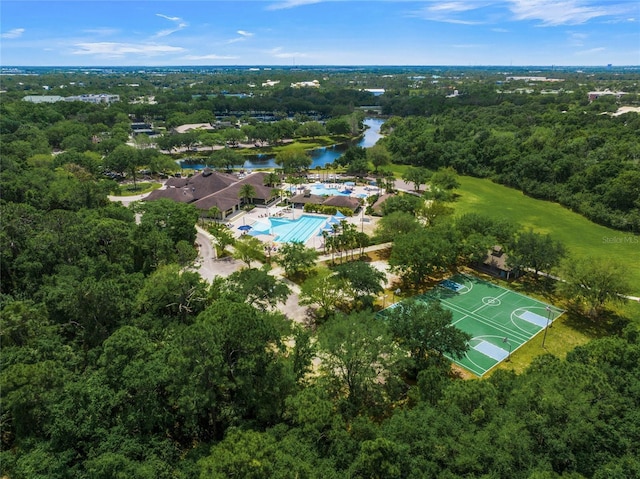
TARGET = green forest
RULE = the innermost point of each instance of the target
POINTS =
(119, 360)
(577, 157)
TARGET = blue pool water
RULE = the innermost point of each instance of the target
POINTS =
(288, 231)
(323, 190)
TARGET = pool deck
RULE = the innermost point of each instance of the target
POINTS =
(363, 221)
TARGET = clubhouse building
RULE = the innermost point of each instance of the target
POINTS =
(209, 189)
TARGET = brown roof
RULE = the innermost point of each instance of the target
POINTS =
(257, 181)
(341, 201)
(304, 199)
(177, 182)
(181, 195)
(218, 200)
(377, 206)
(497, 258)
(211, 188)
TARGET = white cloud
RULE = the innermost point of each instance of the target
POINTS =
(449, 12)
(173, 19)
(563, 12)
(577, 39)
(243, 36)
(278, 53)
(291, 4)
(591, 51)
(452, 7)
(113, 49)
(180, 24)
(102, 31)
(15, 33)
(547, 12)
(211, 56)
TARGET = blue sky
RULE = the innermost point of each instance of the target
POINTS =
(320, 32)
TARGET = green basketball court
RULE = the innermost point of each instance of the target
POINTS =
(499, 320)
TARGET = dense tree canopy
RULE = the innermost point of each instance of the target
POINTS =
(119, 360)
(581, 162)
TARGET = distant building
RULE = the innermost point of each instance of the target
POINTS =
(594, 95)
(534, 78)
(140, 128)
(43, 98)
(306, 84)
(99, 98)
(193, 126)
(271, 83)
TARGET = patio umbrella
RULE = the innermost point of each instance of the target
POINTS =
(333, 221)
(339, 215)
(244, 227)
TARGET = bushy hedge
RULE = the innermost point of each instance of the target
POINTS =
(326, 210)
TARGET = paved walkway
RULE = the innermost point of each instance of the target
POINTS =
(557, 278)
(209, 267)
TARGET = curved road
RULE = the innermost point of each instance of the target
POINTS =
(207, 263)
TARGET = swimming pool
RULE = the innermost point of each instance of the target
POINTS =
(288, 231)
(324, 190)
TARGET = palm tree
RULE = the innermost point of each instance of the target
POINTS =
(214, 212)
(331, 243)
(271, 179)
(362, 241)
(325, 235)
(276, 192)
(349, 237)
(247, 193)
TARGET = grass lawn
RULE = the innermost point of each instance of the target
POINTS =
(580, 236)
(307, 144)
(568, 331)
(140, 188)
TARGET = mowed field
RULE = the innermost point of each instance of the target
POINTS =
(580, 236)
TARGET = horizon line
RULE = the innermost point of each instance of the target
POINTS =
(255, 65)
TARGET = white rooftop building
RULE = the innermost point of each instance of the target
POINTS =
(306, 84)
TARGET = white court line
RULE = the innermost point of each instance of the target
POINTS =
(495, 297)
(464, 317)
(489, 322)
(484, 371)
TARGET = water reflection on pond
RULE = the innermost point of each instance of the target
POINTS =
(319, 156)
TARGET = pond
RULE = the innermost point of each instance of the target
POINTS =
(319, 156)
